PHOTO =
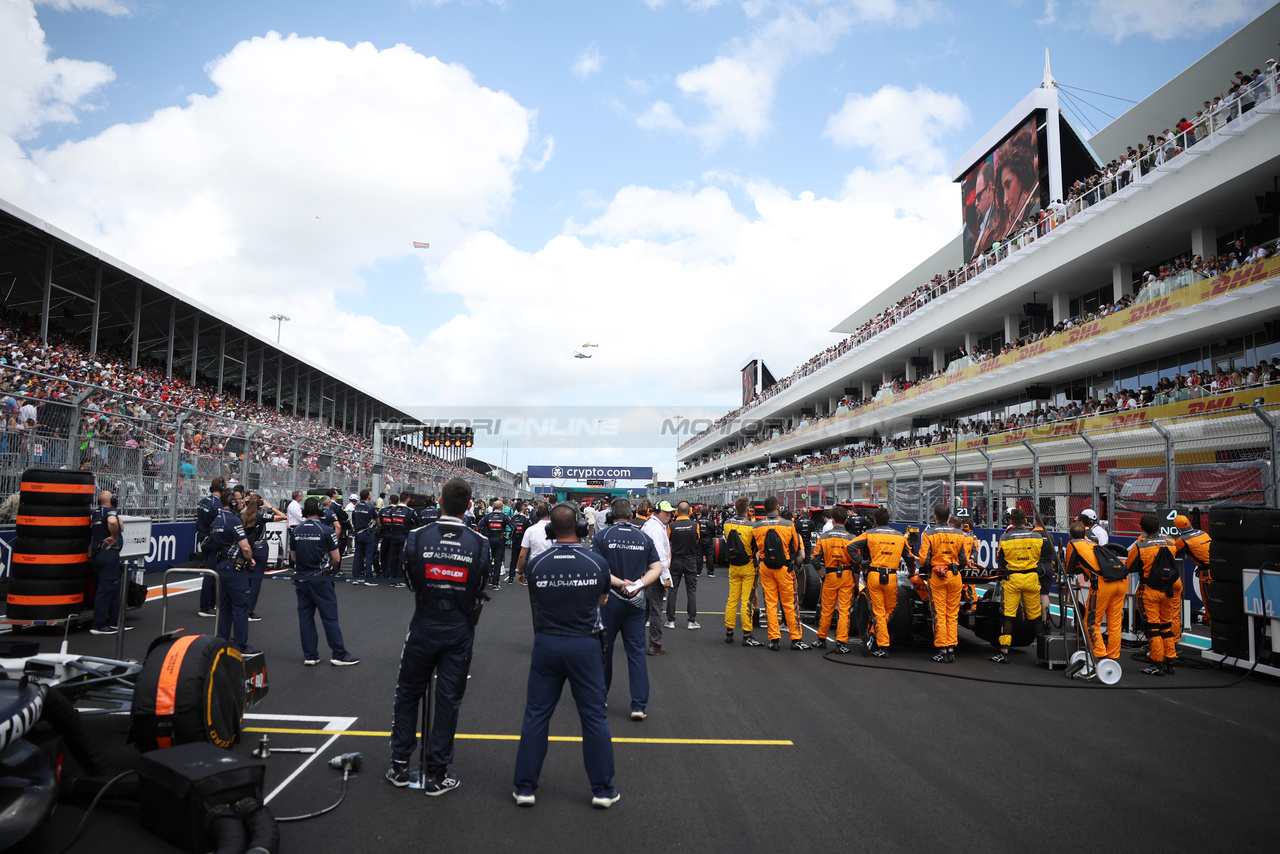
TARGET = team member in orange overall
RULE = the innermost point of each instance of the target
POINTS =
(774, 557)
(1106, 596)
(840, 582)
(1194, 543)
(944, 549)
(881, 550)
(1153, 558)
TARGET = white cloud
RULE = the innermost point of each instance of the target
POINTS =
(898, 125)
(37, 90)
(737, 88)
(589, 61)
(110, 7)
(1164, 21)
(311, 161)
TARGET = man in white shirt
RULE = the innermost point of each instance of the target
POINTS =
(535, 540)
(656, 529)
(294, 512)
(1096, 531)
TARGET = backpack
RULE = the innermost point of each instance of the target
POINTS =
(1110, 565)
(775, 554)
(739, 555)
(1164, 571)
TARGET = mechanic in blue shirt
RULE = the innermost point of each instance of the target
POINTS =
(569, 583)
(396, 521)
(495, 525)
(206, 511)
(105, 562)
(313, 550)
(633, 559)
(446, 564)
(364, 521)
(430, 513)
(235, 563)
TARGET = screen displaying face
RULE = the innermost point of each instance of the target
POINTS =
(1002, 191)
(748, 382)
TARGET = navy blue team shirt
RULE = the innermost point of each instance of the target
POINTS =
(568, 581)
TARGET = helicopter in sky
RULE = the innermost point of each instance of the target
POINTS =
(581, 356)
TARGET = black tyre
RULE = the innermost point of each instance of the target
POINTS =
(43, 599)
(1230, 638)
(1226, 602)
(57, 488)
(53, 522)
(45, 547)
(1244, 523)
(808, 587)
(1227, 558)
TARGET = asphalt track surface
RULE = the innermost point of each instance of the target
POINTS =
(747, 749)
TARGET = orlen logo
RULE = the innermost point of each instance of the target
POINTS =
(446, 573)
(1197, 407)
(1154, 308)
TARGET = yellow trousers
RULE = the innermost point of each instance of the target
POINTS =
(741, 580)
(1021, 587)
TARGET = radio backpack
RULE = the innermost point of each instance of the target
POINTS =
(1110, 565)
(775, 554)
(1163, 572)
(738, 553)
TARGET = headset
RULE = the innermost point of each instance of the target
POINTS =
(580, 521)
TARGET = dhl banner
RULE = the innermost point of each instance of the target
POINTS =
(1192, 295)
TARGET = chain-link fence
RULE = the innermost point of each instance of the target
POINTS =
(1193, 461)
(160, 459)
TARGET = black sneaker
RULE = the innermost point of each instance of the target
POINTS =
(728, 637)
(748, 640)
(775, 645)
(820, 643)
(434, 787)
(1168, 666)
(842, 649)
(940, 656)
(800, 645)
(999, 658)
(254, 618)
(398, 774)
(1155, 668)
(879, 652)
(951, 658)
(344, 660)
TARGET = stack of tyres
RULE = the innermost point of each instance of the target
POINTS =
(51, 553)
(1243, 537)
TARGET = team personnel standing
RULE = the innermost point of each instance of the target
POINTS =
(804, 528)
(881, 551)
(447, 565)
(519, 524)
(364, 524)
(293, 513)
(840, 580)
(683, 536)
(633, 560)
(313, 550)
(105, 563)
(494, 525)
(776, 546)
(343, 518)
(395, 524)
(1097, 533)
(1018, 557)
(429, 513)
(1106, 596)
(255, 516)
(570, 584)
(655, 528)
(707, 531)
(1194, 544)
(206, 511)
(535, 540)
(1154, 559)
(944, 551)
(740, 542)
(235, 563)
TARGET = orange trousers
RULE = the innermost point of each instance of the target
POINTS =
(1164, 620)
(780, 584)
(884, 601)
(837, 596)
(944, 599)
(1106, 600)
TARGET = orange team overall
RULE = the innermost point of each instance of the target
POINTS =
(1162, 608)
(777, 581)
(1106, 597)
(840, 581)
(881, 550)
(944, 549)
(1194, 543)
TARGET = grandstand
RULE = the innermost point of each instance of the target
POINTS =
(107, 369)
(1116, 344)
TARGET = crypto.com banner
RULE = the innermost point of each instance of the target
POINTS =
(592, 472)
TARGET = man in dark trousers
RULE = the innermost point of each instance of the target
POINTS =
(230, 544)
(313, 550)
(707, 531)
(206, 511)
(394, 522)
(364, 522)
(570, 584)
(447, 565)
(494, 526)
(633, 559)
(105, 562)
(683, 533)
(519, 524)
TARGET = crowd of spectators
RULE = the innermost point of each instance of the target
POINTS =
(1242, 94)
(131, 417)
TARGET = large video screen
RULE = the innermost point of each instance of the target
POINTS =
(748, 382)
(1002, 191)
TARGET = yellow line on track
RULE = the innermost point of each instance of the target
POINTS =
(730, 742)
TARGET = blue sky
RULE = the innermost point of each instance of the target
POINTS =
(631, 171)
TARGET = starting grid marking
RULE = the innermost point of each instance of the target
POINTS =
(715, 742)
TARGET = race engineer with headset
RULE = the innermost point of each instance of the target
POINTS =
(1018, 556)
(839, 581)
(944, 551)
(633, 559)
(447, 565)
(881, 550)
